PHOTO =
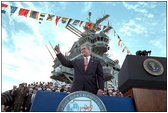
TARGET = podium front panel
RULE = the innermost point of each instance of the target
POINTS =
(48, 102)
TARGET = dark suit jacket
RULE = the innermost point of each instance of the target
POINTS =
(90, 80)
(28, 102)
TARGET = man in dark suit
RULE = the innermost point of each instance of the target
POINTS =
(91, 79)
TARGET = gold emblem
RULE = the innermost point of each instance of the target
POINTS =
(153, 67)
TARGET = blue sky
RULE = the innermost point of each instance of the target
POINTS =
(25, 58)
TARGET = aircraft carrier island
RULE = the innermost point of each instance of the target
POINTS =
(98, 41)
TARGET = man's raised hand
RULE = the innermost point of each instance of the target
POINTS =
(57, 48)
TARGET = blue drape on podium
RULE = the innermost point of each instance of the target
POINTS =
(48, 101)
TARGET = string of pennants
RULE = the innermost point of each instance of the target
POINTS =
(40, 16)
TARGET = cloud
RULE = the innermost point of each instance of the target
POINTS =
(133, 27)
(138, 19)
(28, 59)
(86, 7)
(25, 57)
(28, 70)
(4, 35)
(158, 43)
(65, 38)
(149, 15)
(7, 85)
(140, 7)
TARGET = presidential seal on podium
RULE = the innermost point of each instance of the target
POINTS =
(81, 101)
(153, 67)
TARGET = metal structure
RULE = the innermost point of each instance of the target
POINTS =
(99, 47)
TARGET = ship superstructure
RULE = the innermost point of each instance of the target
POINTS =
(99, 43)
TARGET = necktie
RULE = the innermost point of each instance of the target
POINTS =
(86, 63)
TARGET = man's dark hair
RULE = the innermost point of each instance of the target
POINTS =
(86, 46)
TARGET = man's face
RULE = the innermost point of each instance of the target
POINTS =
(14, 87)
(85, 51)
(22, 87)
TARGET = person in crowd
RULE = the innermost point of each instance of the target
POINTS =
(120, 94)
(68, 89)
(11, 91)
(11, 94)
(28, 101)
(110, 91)
(33, 95)
(88, 72)
(48, 89)
(26, 90)
(105, 92)
(6, 102)
(19, 95)
(62, 88)
(117, 92)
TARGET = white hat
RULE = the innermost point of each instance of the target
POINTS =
(39, 88)
(30, 88)
(48, 89)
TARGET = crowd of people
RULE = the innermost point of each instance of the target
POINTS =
(21, 98)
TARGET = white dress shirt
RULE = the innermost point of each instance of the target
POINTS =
(87, 58)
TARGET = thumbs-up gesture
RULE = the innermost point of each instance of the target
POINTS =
(57, 48)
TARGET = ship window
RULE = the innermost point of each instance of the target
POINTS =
(90, 40)
(93, 40)
(101, 38)
(98, 38)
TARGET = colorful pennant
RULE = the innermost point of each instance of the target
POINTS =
(108, 25)
(23, 12)
(13, 9)
(104, 27)
(57, 19)
(119, 41)
(124, 49)
(3, 8)
(42, 15)
(64, 20)
(76, 22)
(34, 14)
(91, 25)
(87, 24)
(50, 17)
(80, 23)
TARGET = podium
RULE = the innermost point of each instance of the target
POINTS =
(46, 101)
(144, 79)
